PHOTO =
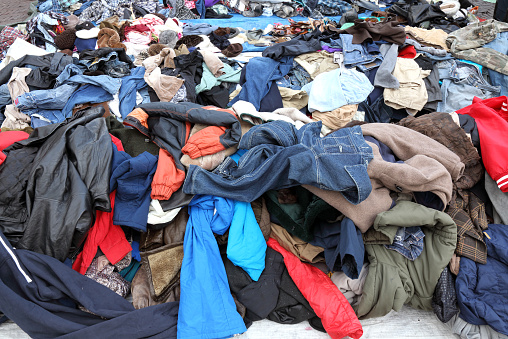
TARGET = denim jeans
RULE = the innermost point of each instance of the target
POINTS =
(73, 75)
(55, 98)
(110, 64)
(69, 71)
(130, 85)
(258, 76)
(500, 44)
(86, 94)
(5, 97)
(296, 78)
(357, 54)
(461, 83)
(45, 6)
(279, 156)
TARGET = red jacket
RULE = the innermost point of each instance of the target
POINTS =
(491, 116)
(338, 317)
(8, 138)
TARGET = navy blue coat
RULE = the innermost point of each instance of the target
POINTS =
(41, 295)
(482, 290)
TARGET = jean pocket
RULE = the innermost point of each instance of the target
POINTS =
(337, 144)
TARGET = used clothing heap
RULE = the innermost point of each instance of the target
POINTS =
(323, 171)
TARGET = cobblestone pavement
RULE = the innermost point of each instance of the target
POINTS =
(12, 11)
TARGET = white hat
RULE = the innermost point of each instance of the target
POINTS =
(88, 33)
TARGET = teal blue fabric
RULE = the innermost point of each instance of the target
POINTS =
(208, 80)
(246, 244)
(207, 308)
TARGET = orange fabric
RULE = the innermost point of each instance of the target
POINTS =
(140, 116)
(167, 178)
(204, 142)
(337, 316)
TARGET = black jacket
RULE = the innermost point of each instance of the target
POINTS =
(51, 183)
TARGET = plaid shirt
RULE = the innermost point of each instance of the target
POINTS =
(339, 5)
(7, 37)
(100, 10)
(468, 212)
(148, 5)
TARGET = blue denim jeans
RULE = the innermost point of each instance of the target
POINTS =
(69, 71)
(259, 75)
(279, 156)
(130, 85)
(5, 97)
(86, 94)
(461, 83)
(109, 64)
(73, 75)
(296, 78)
(55, 98)
(357, 54)
(45, 106)
(500, 44)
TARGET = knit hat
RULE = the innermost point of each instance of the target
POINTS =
(82, 44)
(85, 25)
(108, 37)
(65, 40)
(189, 41)
(232, 50)
(73, 21)
(88, 33)
(222, 31)
(168, 37)
(155, 49)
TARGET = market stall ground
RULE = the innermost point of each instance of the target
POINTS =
(408, 323)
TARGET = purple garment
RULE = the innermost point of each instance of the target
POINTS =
(210, 3)
(331, 49)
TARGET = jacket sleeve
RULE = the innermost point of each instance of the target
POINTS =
(167, 178)
(91, 151)
(492, 127)
(205, 142)
(339, 319)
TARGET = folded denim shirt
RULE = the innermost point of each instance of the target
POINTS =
(408, 241)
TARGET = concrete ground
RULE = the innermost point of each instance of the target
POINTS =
(409, 323)
(14, 11)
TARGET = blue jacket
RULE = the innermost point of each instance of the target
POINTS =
(482, 290)
(207, 307)
(246, 244)
(132, 179)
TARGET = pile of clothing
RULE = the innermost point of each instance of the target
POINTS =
(164, 178)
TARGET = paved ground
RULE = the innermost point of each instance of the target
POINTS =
(12, 11)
